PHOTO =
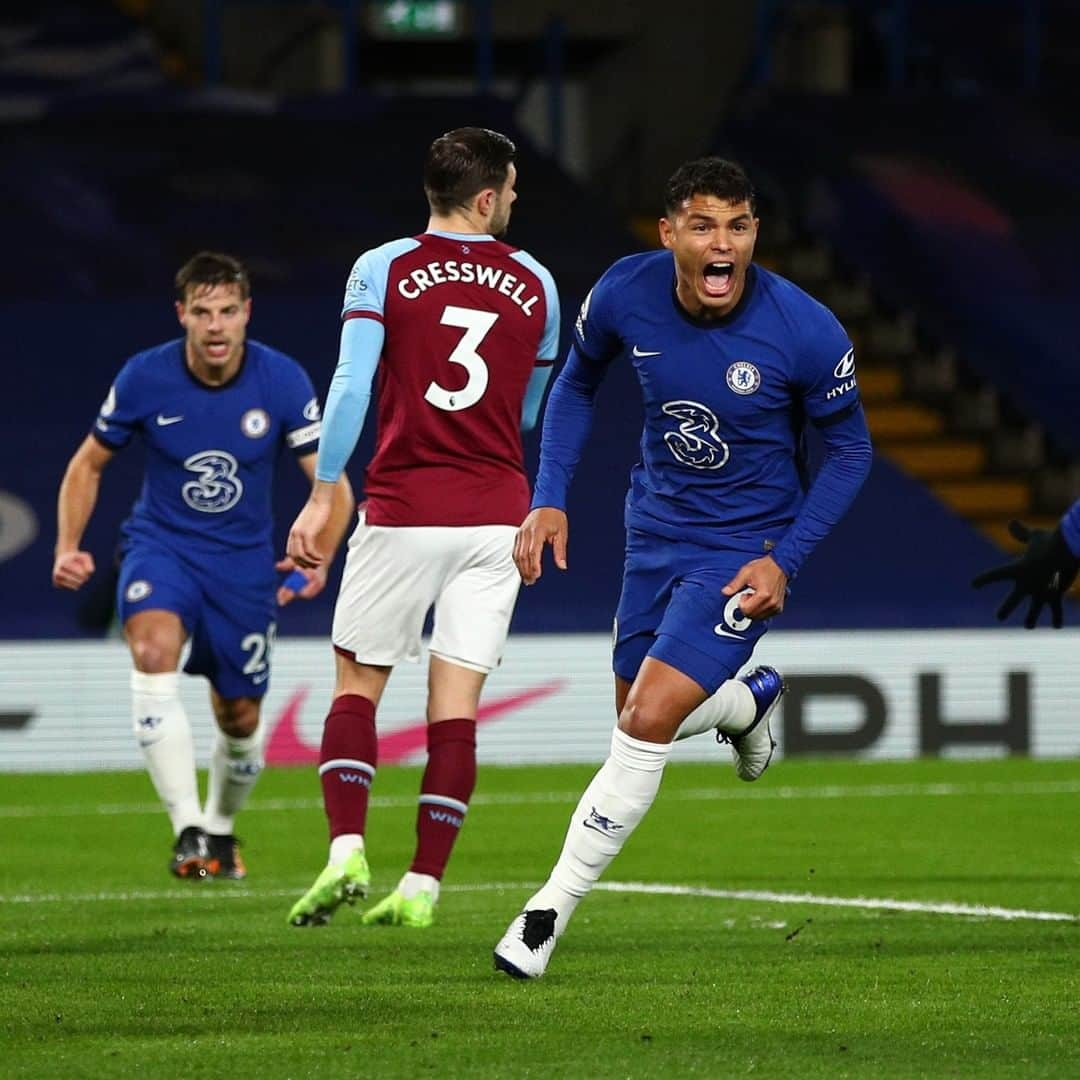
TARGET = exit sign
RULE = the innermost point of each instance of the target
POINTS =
(402, 18)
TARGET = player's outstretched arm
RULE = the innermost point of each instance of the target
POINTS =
(544, 525)
(75, 503)
(1042, 574)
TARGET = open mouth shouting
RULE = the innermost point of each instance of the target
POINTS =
(718, 279)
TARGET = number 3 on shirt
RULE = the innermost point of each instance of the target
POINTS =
(476, 325)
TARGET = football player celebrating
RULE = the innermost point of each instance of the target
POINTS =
(213, 409)
(733, 360)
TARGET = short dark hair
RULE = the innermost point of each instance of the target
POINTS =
(709, 176)
(461, 163)
(210, 268)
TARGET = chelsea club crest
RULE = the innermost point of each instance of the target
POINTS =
(255, 423)
(743, 377)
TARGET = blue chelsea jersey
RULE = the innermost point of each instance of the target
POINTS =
(725, 400)
(210, 451)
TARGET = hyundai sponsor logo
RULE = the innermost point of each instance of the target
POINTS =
(843, 388)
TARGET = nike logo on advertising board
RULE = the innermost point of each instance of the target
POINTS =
(285, 745)
(641, 352)
(165, 421)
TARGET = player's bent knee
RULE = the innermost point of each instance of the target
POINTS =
(154, 655)
(642, 719)
(237, 717)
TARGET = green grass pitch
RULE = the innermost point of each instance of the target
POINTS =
(110, 968)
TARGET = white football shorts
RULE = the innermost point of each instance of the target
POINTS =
(393, 576)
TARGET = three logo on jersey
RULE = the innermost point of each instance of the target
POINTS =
(218, 487)
(697, 442)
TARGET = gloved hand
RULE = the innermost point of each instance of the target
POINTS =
(1043, 571)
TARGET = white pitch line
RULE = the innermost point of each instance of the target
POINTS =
(209, 891)
(570, 798)
(212, 890)
(946, 907)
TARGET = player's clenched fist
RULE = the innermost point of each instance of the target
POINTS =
(544, 525)
(72, 569)
(764, 585)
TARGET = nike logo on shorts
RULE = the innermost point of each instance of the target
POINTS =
(165, 421)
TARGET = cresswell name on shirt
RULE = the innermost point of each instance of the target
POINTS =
(450, 271)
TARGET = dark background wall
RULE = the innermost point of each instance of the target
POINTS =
(125, 146)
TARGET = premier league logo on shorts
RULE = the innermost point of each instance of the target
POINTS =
(255, 423)
(743, 377)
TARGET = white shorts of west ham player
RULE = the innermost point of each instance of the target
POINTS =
(393, 576)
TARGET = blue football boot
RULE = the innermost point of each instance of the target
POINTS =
(752, 748)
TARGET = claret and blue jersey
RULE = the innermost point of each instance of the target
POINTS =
(725, 399)
(210, 451)
(460, 331)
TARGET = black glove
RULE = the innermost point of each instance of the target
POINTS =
(1044, 571)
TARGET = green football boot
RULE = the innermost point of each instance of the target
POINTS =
(336, 885)
(395, 910)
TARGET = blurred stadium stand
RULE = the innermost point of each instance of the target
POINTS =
(112, 173)
(931, 167)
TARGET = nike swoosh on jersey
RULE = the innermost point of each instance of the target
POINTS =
(165, 421)
(640, 352)
(720, 631)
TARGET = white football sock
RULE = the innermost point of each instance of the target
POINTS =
(617, 798)
(234, 767)
(413, 883)
(164, 734)
(341, 847)
(730, 709)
